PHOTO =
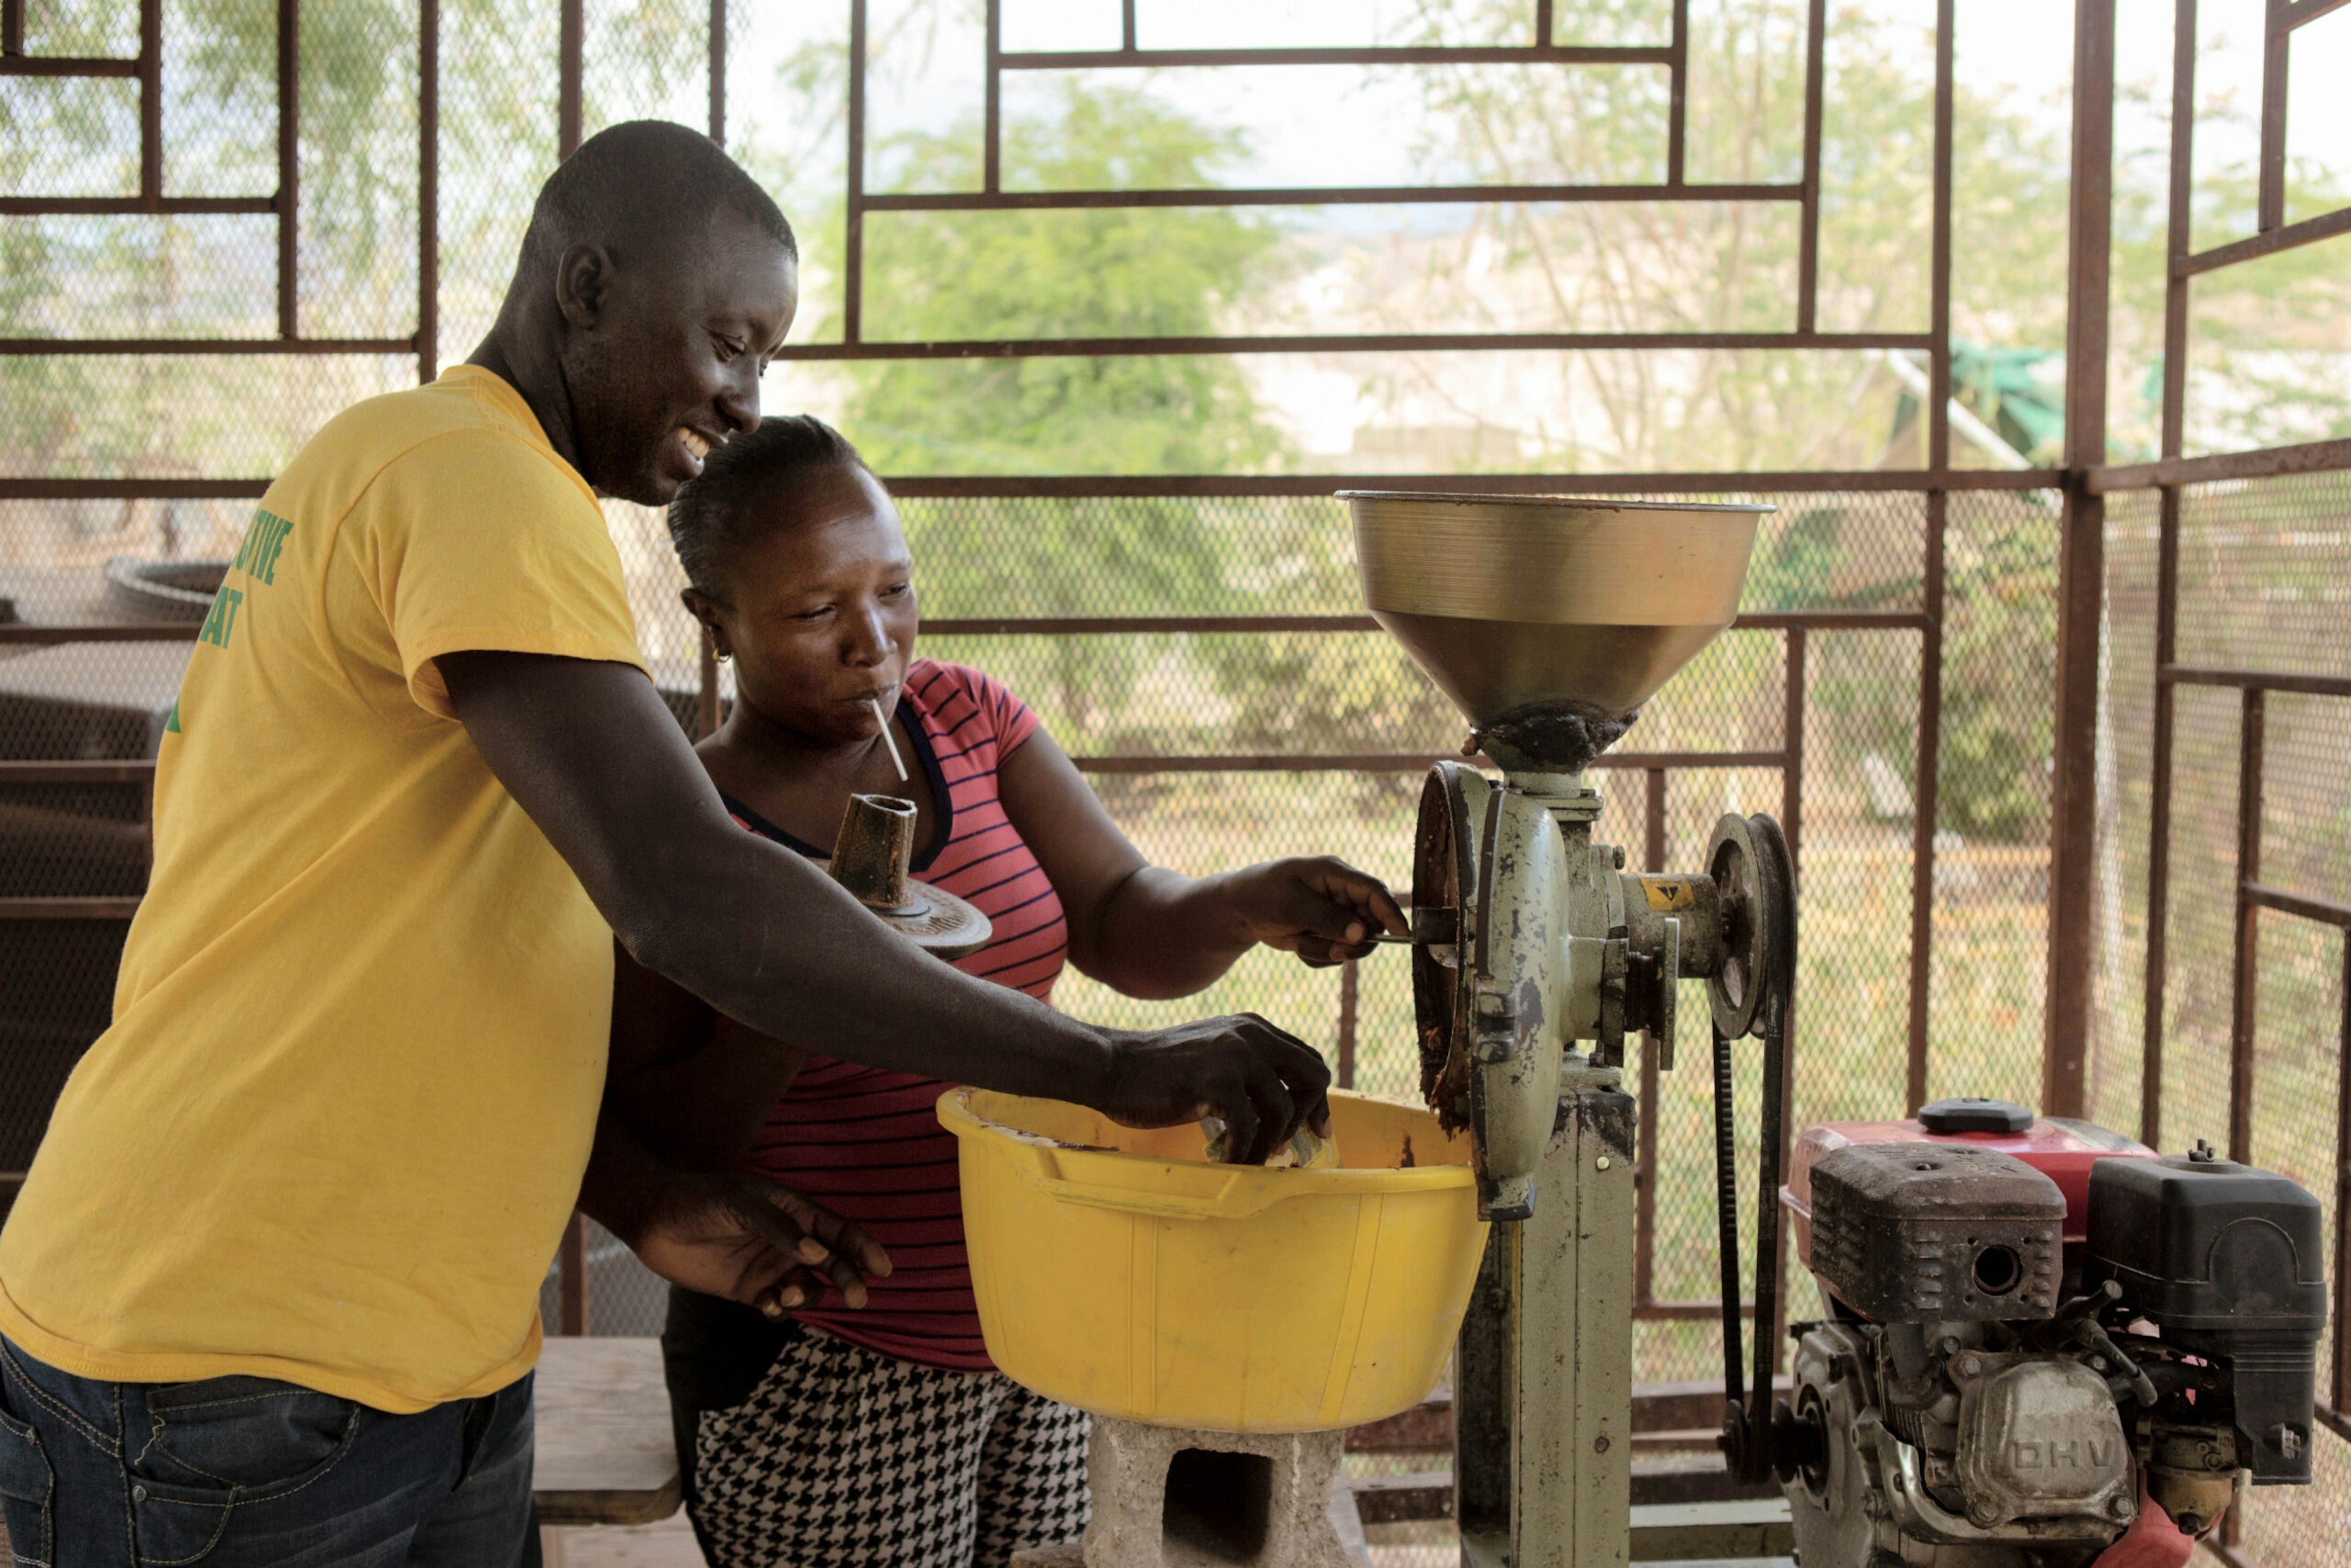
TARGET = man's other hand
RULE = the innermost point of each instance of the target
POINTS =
(1265, 1083)
(749, 1240)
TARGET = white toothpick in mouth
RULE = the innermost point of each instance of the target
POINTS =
(887, 738)
(696, 442)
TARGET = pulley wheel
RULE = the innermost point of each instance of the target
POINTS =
(1443, 884)
(1746, 879)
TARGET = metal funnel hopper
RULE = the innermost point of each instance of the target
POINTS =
(1550, 621)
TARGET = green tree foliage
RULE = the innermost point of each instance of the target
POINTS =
(1136, 272)
(1999, 666)
(2269, 341)
(940, 276)
(140, 275)
(1130, 273)
(56, 138)
(1731, 267)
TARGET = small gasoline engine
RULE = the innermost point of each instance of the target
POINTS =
(2035, 1328)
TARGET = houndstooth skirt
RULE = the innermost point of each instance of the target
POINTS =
(842, 1457)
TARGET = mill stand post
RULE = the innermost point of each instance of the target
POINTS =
(1542, 1383)
(1542, 1380)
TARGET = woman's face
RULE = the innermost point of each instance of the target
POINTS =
(820, 617)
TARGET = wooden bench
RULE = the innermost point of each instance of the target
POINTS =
(606, 1459)
(605, 1454)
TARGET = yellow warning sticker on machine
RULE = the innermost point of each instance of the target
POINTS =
(1669, 895)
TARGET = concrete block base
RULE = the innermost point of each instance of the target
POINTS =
(1173, 1498)
(1069, 1554)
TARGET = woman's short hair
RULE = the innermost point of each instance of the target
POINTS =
(714, 516)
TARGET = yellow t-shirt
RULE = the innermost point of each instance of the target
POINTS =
(359, 1035)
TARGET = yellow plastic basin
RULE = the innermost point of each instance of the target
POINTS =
(1120, 1272)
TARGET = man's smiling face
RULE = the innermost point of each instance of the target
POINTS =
(664, 348)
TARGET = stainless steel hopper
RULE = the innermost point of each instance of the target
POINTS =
(1549, 620)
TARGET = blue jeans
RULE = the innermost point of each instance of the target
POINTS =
(236, 1472)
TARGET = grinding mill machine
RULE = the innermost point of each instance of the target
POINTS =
(1549, 622)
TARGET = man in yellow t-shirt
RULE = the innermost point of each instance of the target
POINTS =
(270, 1295)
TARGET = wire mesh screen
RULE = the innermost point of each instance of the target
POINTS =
(624, 1296)
(1991, 862)
(357, 232)
(1841, 573)
(1848, 566)
(57, 977)
(2260, 587)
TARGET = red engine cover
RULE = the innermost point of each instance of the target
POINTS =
(2059, 1147)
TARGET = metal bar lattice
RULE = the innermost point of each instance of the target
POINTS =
(867, 336)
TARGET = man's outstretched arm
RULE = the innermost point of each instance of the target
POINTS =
(592, 752)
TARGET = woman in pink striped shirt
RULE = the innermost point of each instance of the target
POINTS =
(876, 1430)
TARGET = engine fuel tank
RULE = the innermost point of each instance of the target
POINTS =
(2061, 1149)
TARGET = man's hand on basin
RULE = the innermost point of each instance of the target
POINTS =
(1264, 1083)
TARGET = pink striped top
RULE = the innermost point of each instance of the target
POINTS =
(867, 1143)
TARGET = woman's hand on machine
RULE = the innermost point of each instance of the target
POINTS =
(748, 1240)
(1265, 1083)
(1317, 907)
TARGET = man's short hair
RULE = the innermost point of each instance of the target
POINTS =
(639, 179)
